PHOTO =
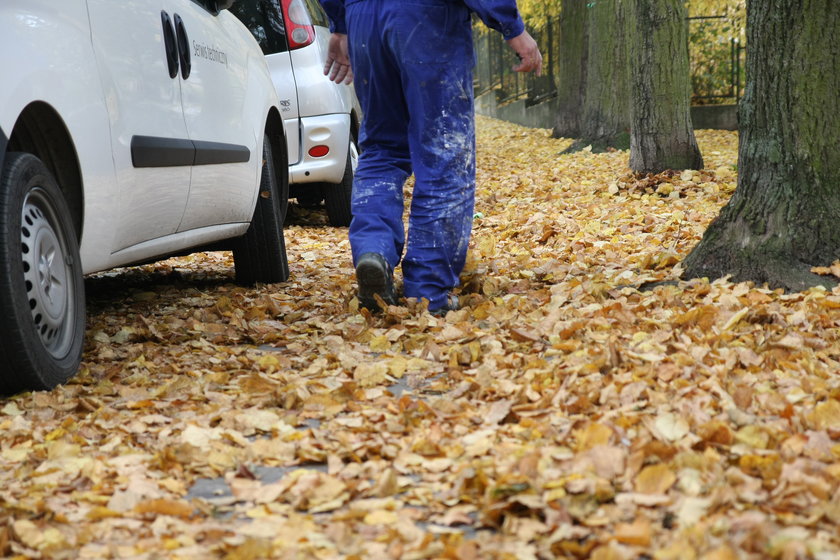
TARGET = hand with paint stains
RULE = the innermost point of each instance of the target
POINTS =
(338, 66)
(530, 58)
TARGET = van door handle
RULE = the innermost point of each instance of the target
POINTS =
(169, 44)
(183, 47)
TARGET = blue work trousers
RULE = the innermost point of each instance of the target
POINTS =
(412, 61)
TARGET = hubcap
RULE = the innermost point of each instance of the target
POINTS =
(46, 272)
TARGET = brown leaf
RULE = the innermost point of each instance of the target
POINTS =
(161, 506)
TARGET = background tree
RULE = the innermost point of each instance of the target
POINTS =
(537, 12)
(662, 136)
(784, 217)
(605, 120)
(571, 68)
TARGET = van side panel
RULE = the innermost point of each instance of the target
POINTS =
(42, 35)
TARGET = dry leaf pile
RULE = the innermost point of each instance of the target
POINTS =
(584, 404)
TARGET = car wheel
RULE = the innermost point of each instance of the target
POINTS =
(260, 254)
(337, 197)
(42, 294)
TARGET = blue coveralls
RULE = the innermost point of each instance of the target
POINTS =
(412, 62)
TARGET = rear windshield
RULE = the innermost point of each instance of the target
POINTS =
(265, 20)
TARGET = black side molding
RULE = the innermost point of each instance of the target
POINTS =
(208, 153)
(154, 151)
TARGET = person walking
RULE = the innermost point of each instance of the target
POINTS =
(411, 61)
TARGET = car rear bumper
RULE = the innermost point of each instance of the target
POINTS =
(332, 131)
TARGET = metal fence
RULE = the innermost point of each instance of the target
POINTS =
(717, 70)
(495, 60)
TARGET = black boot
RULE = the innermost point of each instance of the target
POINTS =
(374, 275)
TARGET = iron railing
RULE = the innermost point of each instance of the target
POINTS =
(717, 71)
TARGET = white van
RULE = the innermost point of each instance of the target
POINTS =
(129, 132)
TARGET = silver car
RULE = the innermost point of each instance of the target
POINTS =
(321, 117)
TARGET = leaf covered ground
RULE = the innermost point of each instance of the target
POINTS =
(584, 404)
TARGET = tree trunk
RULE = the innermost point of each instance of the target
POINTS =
(571, 73)
(662, 136)
(605, 122)
(784, 217)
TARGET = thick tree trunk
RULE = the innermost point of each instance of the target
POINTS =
(784, 217)
(662, 136)
(571, 73)
(605, 122)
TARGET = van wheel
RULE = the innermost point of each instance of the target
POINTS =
(338, 197)
(42, 293)
(260, 254)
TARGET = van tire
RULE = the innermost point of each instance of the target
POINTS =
(260, 254)
(42, 292)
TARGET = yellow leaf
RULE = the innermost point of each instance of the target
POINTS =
(671, 426)
(834, 269)
(251, 549)
(101, 512)
(380, 344)
(199, 437)
(381, 517)
(397, 366)
(61, 449)
(593, 434)
(486, 246)
(724, 552)
(637, 533)
(679, 550)
(753, 436)
(11, 409)
(55, 434)
(655, 479)
(261, 420)
(691, 510)
(268, 362)
(329, 494)
(35, 537)
(735, 319)
(371, 374)
(28, 533)
(608, 552)
(827, 415)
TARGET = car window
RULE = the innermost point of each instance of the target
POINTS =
(319, 16)
(265, 20)
(209, 5)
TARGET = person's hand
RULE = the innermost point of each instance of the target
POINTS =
(338, 66)
(530, 59)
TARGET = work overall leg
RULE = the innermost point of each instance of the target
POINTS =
(412, 62)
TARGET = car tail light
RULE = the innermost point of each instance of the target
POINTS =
(299, 29)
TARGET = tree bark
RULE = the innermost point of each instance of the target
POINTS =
(784, 217)
(571, 72)
(605, 122)
(662, 136)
